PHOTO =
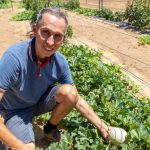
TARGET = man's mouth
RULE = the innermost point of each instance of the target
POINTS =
(48, 48)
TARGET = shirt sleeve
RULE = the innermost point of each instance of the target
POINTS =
(9, 71)
(66, 77)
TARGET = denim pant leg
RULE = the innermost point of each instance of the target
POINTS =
(19, 122)
(47, 101)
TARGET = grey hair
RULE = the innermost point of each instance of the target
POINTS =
(53, 11)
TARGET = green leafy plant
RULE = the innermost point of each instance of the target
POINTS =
(143, 40)
(87, 11)
(119, 16)
(56, 3)
(4, 3)
(25, 15)
(138, 14)
(72, 4)
(107, 14)
(35, 6)
(111, 94)
(69, 32)
(104, 13)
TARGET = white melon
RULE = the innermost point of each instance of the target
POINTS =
(117, 135)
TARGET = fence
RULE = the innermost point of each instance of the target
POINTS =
(114, 5)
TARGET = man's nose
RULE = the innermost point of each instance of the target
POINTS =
(50, 40)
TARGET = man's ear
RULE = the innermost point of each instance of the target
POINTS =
(34, 29)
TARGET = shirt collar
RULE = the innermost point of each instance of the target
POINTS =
(31, 50)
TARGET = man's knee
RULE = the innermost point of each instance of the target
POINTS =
(67, 93)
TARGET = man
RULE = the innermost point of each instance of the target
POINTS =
(28, 73)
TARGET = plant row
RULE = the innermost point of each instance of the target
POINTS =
(137, 12)
(111, 94)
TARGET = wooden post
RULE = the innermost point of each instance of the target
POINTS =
(49, 3)
(149, 4)
(11, 4)
(99, 6)
(58, 3)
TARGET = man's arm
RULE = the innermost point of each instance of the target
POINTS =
(7, 137)
(87, 112)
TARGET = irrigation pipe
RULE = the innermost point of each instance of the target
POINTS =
(98, 19)
(126, 55)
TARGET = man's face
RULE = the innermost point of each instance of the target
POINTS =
(49, 35)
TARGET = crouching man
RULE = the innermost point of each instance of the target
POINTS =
(28, 72)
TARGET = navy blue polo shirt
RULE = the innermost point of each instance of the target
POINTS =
(23, 80)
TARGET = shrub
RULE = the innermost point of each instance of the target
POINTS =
(69, 32)
(4, 3)
(106, 13)
(72, 4)
(35, 5)
(138, 14)
(119, 16)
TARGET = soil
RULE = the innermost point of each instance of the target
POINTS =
(119, 45)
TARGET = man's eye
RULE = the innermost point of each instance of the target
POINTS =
(58, 36)
(46, 32)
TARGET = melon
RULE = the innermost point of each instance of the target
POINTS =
(117, 136)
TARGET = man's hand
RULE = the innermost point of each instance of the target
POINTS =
(11, 141)
(104, 132)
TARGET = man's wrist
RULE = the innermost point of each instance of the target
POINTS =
(102, 126)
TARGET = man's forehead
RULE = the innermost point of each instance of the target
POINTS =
(50, 18)
(53, 23)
